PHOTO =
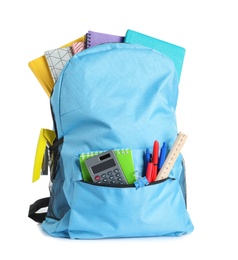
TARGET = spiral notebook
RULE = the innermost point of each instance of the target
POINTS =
(96, 38)
(124, 157)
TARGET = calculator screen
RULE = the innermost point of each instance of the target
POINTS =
(103, 166)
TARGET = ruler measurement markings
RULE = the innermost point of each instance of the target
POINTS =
(172, 156)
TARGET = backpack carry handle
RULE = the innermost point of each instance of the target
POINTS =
(37, 205)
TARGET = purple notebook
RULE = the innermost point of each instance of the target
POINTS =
(96, 38)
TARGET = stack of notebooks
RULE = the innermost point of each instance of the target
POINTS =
(48, 67)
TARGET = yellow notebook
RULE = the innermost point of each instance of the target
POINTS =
(39, 67)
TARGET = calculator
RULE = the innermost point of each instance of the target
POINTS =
(104, 168)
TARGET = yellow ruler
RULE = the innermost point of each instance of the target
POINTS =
(172, 157)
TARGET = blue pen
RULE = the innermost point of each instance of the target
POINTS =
(163, 154)
(147, 159)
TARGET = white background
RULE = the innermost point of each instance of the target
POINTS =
(207, 113)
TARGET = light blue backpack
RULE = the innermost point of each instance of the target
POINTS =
(114, 96)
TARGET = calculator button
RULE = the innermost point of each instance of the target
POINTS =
(113, 181)
(97, 178)
(103, 175)
(118, 174)
(111, 177)
(119, 179)
(109, 173)
(116, 171)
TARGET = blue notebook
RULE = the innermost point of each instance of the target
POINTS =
(174, 52)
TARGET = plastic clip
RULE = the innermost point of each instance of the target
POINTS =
(141, 182)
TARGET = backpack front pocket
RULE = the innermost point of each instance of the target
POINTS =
(154, 210)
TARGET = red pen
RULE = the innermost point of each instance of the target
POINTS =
(155, 159)
(149, 171)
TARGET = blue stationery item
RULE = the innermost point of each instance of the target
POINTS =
(147, 159)
(93, 110)
(163, 153)
(141, 182)
(174, 52)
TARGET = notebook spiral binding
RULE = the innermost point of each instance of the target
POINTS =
(116, 151)
(88, 40)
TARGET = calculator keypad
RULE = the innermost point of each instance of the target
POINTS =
(111, 177)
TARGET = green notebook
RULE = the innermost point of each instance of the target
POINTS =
(124, 157)
(174, 52)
